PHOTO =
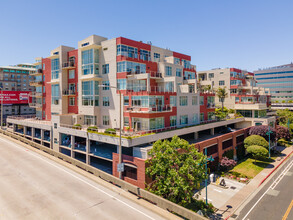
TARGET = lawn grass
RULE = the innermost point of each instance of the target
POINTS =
(250, 168)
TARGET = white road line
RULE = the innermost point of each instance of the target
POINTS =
(217, 190)
(16, 145)
(284, 171)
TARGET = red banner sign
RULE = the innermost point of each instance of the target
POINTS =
(15, 97)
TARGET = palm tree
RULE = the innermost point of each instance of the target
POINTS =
(222, 94)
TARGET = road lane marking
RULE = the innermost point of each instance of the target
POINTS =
(62, 169)
(217, 190)
(270, 187)
(288, 211)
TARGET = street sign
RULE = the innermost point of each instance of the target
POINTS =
(120, 167)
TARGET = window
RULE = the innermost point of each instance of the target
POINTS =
(55, 94)
(121, 84)
(195, 118)
(126, 51)
(173, 121)
(90, 60)
(201, 117)
(44, 89)
(168, 70)
(156, 57)
(90, 120)
(201, 100)
(186, 64)
(71, 74)
(106, 120)
(178, 72)
(176, 60)
(183, 119)
(71, 87)
(106, 85)
(126, 121)
(44, 66)
(157, 123)
(189, 75)
(172, 100)
(55, 65)
(211, 116)
(106, 101)
(145, 55)
(183, 101)
(71, 101)
(132, 67)
(194, 100)
(126, 100)
(90, 93)
(211, 102)
(221, 72)
(169, 87)
(211, 75)
(105, 69)
(221, 83)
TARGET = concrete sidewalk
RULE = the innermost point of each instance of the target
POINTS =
(235, 202)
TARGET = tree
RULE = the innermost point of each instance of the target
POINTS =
(222, 94)
(282, 132)
(256, 140)
(258, 152)
(221, 113)
(227, 163)
(177, 168)
(262, 130)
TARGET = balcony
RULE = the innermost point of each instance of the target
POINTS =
(37, 72)
(36, 83)
(68, 92)
(140, 75)
(142, 90)
(35, 105)
(69, 65)
(250, 106)
(152, 109)
(36, 94)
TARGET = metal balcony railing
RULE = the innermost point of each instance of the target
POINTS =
(151, 109)
(68, 92)
(70, 64)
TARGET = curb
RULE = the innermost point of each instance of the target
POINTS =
(275, 169)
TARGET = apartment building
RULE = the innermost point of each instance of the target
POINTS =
(15, 83)
(244, 96)
(279, 80)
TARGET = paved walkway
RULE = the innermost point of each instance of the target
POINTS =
(246, 191)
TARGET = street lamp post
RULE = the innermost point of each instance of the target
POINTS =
(206, 169)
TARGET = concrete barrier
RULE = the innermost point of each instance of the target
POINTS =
(160, 202)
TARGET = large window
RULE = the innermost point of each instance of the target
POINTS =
(157, 123)
(90, 93)
(211, 116)
(55, 94)
(173, 101)
(105, 69)
(186, 64)
(126, 51)
(183, 119)
(194, 100)
(71, 101)
(145, 55)
(106, 120)
(211, 101)
(201, 117)
(90, 120)
(189, 75)
(201, 100)
(126, 100)
(221, 83)
(173, 121)
(176, 60)
(169, 87)
(168, 71)
(137, 85)
(55, 67)
(178, 72)
(106, 101)
(71, 74)
(183, 101)
(126, 66)
(121, 84)
(195, 118)
(245, 113)
(236, 82)
(156, 57)
(106, 85)
(90, 60)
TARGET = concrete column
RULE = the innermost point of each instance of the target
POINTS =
(148, 83)
(42, 137)
(220, 148)
(51, 138)
(24, 130)
(72, 145)
(195, 135)
(234, 147)
(14, 127)
(88, 145)
(33, 133)
(212, 131)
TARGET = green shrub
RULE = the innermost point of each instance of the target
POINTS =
(256, 140)
(229, 154)
(92, 129)
(110, 131)
(258, 152)
(77, 126)
(231, 111)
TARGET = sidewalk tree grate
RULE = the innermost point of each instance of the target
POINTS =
(232, 187)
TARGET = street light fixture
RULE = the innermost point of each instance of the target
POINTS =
(206, 168)
(120, 166)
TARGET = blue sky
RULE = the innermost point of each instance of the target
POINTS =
(247, 34)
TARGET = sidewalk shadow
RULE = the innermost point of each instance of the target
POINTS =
(263, 164)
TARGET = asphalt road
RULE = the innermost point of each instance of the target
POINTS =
(275, 199)
(34, 187)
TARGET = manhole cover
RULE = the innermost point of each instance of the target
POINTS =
(234, 216)
(232, 187)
